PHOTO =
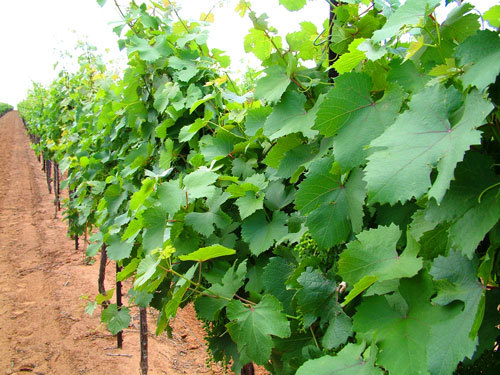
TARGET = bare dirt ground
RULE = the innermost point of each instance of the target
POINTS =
(43, 328)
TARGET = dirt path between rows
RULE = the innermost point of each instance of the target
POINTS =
(43, 328)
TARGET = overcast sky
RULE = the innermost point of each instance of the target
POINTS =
(34, 32)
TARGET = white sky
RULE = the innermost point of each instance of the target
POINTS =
(33, 32)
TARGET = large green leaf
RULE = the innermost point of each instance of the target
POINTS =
(425, 136)
(164, 94)
(252, 327)
(317, 297)
(199, 183)
(293, 4)
(289, 116)
(469, 230)
(261, 234)
(274, 278)
(472, 177)
(257, 42)
(140, 196)
(333, 207)
(338, 331)
(220, 295)
(146, 51)
(403, 331)
(273, 85)
(116, 320)
(374, 254)
(146, 269)
(482, 50)
(155, 223)
(206, 253)
(203, 222)
(451, 339)
(354, 118)
(409, 14)
(349, 361)
(171, 196)
(182, 285)
(118, 250)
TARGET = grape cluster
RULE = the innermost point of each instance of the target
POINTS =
(307, 246)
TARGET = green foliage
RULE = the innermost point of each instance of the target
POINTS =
(4, 108)
(262, 201)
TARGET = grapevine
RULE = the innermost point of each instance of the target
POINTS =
(259, 201)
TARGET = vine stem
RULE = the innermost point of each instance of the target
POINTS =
(206, 292)
(125, 18)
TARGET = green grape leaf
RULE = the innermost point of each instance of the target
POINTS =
(206, 253)
(147, 52)
(301, 40)
(374, 254)
(258, 43)
(473, 175)
(186, 69)
(458, 26)
(261, 234)
(348, 99)
(317, 292)
(140, 196)
(140, 298)
(289, 116)
(207, 306)
(182, 285)
(146, 269)
(171, 196)
(273, 85)
(128, 270)
(248, 204)
(409, 14)
(155, 223)
(277, 196)
(295, 161)
(338, 331)
(422, 137)
(348, 61)
(118, 250)
(116, 320)
(407, 75)
(282, 146)
(203, 222)
(403, 333)
(164, 95)
(218, 147)
(469, 230)
(198, 184)
(274, 278)
(365, 124)
(359, 287)
(492, 15)
(114, 197)
(456, 281)
(349, 361)
(349, 113)
(251, 328)
(482, 50)
(293, 5)
(333, 208)
(255, 120)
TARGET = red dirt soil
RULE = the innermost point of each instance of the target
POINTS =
(43, 328)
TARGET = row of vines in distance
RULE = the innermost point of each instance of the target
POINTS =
(4, 108)
(317, 226)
